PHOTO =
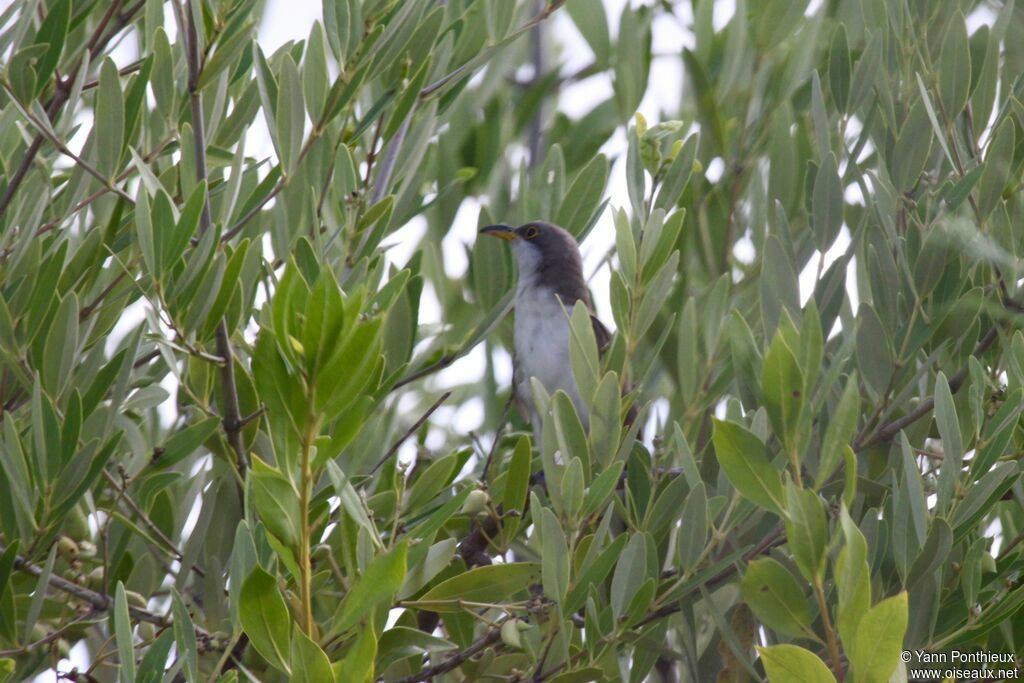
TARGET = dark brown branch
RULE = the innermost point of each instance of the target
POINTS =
(456, 660)
(232, 420)
(100, 37)
(99, 601)
(888, 430)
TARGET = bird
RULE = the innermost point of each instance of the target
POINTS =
(550, 283)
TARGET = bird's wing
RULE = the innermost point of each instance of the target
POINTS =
(601, 334)
(519, 392)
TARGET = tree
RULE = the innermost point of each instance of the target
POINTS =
(209, 361)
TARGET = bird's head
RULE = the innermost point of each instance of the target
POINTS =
(546, 255)
(537, 245)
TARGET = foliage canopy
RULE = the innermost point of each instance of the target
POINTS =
(210, 361)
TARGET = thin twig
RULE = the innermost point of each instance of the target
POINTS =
(100, 601)
(458, 71)
(100, 37)
(149, 524)
(412, 430)
(888, 430)
(44, 130)
(492, 637)
(51, 636)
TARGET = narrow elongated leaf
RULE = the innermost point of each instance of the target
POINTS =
(265, 618)
(381, 580)
(742, 456)
(481, 584)
(776, 599)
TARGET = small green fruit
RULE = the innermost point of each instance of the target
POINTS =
(510, 634)
(476, 502)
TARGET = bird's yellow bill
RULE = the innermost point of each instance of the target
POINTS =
(503, 232)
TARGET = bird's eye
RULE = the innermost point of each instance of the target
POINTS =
(530, 232)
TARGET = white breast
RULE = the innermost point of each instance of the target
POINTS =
(542, 348)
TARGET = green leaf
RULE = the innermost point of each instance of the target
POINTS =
(185, 638)
(827, 203)
(693, 535)
(745, 461)
(782, 385)
(358, 664)
(677, 176)
(913, 147)
(481, 584)
(853, 578)
(998, 161)
(123, 636)
(631, 57)
(866, 73)
(517, 481)
(431, 482)
(290, 115)
(276, 501)
(185, 442)
(776, 598)
(839, 68)
(874, 350)
(780, 288)
(583, 351)
(952, 443)
(954, 68)
(583, 197)
(840, 429)
(378, 584)
(226, 54)
(592, 21)
(594, 573)
(401, 642)
(630, 573)
(554, 557)
(265, 618)
(423, 567)
(806, 531)
(794, 664)
(572, 440)
(61, 350)
(53, 33)
(876, 651)
(110, 128)
(309, 663)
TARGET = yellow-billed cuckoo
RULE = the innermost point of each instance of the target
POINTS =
(550, 283)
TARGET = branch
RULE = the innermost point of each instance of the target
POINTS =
(99, 601)
(469, 66)
(888, 430)
(100, 37)
(51, 636)
(46, 132)
(168, 544)
(456, 660)
(232, 421)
